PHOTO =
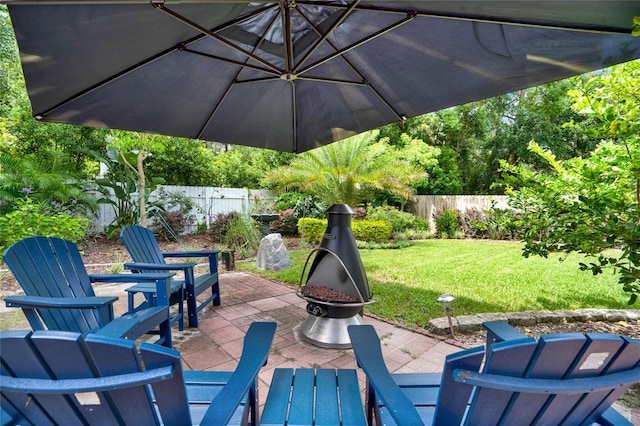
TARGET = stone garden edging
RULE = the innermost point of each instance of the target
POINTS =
(473, 323)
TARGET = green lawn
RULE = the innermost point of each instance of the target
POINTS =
(484, 276)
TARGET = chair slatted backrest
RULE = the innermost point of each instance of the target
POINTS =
(53, 267)
(142, 245)
(556, 356)
(75, 397)
(568, 379)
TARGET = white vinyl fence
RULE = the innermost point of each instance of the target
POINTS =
(209, 201)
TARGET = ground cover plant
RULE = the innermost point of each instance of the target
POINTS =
(484, 276)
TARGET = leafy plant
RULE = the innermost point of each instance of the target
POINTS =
(220, 225)
(401, 221)
(47, 179)
(590, 206)
(493, 223)
(447, 223)
(122, 182)
(303, 205)
(30, 219)
(286, 223)
(372, 230)
(288, 200)
(312, 229)
(348, 172)
(174, 214)
(242, 236)
(117, 267)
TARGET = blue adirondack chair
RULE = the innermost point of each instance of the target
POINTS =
(59, 294)
(568, 379)
(147, 257)
(63, 378)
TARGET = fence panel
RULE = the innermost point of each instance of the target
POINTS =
(210, 201)
(428, 205)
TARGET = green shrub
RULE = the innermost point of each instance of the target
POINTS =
(30, 219)
(364, 230)
(312, 229)
(372, 230)
(447, 223)
(174, 214)
(474, 223)
(242, 236)
(286, 224)
(400, 220)
(288, 200)
(220, 225)
(412, 234)
(494, 224)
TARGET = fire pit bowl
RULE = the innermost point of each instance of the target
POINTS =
(336, 287)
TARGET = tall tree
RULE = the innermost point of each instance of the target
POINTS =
(592, 205)
(350, 172)
(536, 114)
(133, 149)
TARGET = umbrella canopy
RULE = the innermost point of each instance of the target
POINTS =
(294, 75)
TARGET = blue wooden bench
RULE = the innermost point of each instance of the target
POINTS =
(143, 248)
(63, 378)
(568, 379)
(60, 296)
(308, 396)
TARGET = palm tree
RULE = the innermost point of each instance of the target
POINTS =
(347, 172)
(48, 180)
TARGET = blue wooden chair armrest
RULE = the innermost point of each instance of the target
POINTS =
(366, 347)
(257, 344)
(59, 302)
(32, 305)
(97, 384)
(159, 266)
(500, 331)
(192, 253)
(129, 278)
(548, 386)
(611, 417)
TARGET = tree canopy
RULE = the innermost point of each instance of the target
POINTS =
(348, 172)
(590, 205)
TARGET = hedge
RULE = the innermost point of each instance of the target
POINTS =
(312, 230)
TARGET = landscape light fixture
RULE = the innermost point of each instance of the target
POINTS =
(446, 300)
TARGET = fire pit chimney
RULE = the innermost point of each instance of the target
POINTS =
(336, 289)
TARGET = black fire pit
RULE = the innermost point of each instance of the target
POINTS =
(336, 289)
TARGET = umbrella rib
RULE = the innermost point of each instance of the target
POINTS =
(354, 69)
(588, 28)
(230, 61)
(408, 18)
(104, 82)
(323, 37)
(213, 35)
(285, 13)
(136, 66)
(334, 80)
(294, 117)
(235, 81)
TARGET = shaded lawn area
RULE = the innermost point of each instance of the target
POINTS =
(484, 276)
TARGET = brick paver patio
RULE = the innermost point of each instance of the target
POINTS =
(217, 343)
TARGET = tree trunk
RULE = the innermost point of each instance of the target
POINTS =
(141, 188)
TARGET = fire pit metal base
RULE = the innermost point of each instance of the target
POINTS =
(329, 332)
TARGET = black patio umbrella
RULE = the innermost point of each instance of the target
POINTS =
(294, 75)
